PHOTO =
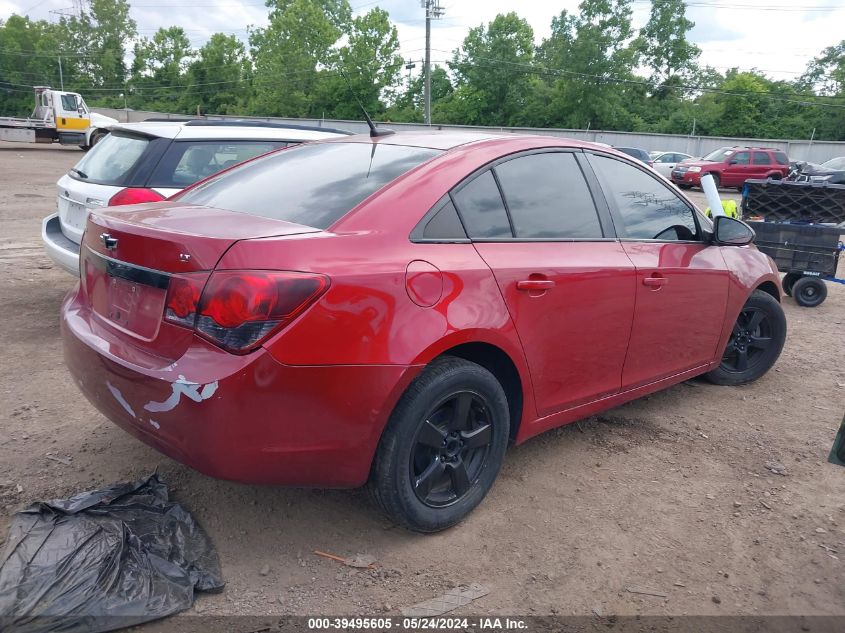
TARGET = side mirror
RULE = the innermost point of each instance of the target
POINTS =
(734, 162)
(731, 232)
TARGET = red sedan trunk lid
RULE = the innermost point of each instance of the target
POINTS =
(130, 253)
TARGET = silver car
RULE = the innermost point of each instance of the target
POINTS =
(144, 162)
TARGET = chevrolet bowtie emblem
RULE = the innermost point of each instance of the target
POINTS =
(108, 241)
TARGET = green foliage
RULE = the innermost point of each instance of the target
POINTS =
(492, 73)
(594, 70)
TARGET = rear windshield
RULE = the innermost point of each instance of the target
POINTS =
(314, 185)
(108, 162)
(185, 162)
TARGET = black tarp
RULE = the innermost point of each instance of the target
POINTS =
(102, 560)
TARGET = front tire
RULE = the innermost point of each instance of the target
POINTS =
(717, 181)
(443, 446)
(755, 343)
(809, 292)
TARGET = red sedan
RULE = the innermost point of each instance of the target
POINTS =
(396, 310)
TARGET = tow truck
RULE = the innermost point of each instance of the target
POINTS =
(58, 117)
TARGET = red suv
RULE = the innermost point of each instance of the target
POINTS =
(732, 166)
(396, 310)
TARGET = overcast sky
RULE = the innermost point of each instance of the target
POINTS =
(777, 37)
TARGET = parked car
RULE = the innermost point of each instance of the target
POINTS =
(664, 162)
(732, 166)
(831, 172)
(397, 310)
(149, 161)
(636, 152)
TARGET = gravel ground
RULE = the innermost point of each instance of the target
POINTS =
(670, 493)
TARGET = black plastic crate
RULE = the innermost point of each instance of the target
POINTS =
(799, 247)
(787, 201)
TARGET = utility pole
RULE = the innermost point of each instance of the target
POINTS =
(432, 10)
(61, 76)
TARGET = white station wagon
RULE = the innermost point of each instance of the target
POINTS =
(149, 161)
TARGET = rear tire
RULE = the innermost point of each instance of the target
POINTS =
(809, 292)
(755, 343)
(789, 280)
(685, 186)
(443, 446)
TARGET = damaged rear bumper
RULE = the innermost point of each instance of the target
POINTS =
(243, 418)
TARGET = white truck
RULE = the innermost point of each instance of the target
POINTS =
(58, 116)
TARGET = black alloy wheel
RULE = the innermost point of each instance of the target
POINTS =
(451, 449)
(751, 337)
(755, 342)
(443, 446)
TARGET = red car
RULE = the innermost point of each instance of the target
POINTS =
(396, 310)
(732, 166)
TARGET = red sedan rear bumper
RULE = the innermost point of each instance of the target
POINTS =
(244, 418)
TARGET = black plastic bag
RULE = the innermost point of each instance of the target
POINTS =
(103, 560)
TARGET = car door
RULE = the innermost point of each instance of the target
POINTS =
(737, 169)
(568, 284)
(761, 165)
(71, 114)
(682, 282)
(664, 164)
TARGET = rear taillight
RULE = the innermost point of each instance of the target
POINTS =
(238, 310)
(134, 195)
(183, 297)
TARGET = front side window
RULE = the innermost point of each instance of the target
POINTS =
(313, 184)
(547, 197)
(184, 163)
(69, 103)
(646, 208)
(741, 158)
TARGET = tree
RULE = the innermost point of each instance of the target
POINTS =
(95, 45)
(158, 70)
(408, 104)
(592, 56)
(371, 62)
(218, 77)
(665, 48)
(292, 52)
(492, 73)
(29, 57)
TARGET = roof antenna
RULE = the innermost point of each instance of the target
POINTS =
(374, 131)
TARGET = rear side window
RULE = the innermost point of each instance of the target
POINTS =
(444, 225)
(482, 209)
(646, 208)
(760, 158)
(547, 197)
(314, 185)
(110, 160)
(781, 158)
(184, 163)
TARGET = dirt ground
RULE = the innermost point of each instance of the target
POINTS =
(669, 493)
